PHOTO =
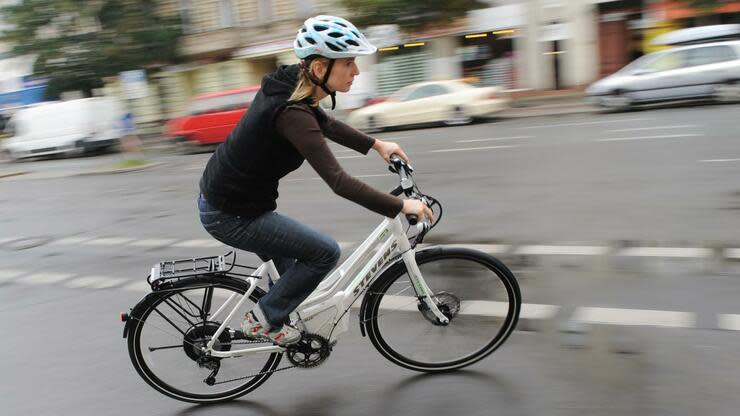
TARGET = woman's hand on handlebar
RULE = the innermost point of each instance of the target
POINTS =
(386, 149)
(417, 208)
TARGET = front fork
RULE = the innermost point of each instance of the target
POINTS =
(420, 286)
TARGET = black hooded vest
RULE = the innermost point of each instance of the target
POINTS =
(242, 175)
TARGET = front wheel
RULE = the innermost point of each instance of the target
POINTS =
(476, 292)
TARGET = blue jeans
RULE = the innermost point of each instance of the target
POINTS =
(303, 256)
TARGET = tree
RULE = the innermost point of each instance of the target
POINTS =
(704, 5)
(79, 42)
(411, 15)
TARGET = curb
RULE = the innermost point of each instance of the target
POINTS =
(108, 171)
(9, 174)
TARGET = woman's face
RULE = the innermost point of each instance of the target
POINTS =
(342, 75)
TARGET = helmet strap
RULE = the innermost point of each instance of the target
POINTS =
(306, 66)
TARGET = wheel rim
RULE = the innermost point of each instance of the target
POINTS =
(487, 314)
(458, 118)
(728, 92)
(160, 353)
(617, 101)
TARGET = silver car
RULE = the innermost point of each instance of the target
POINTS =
(709, 70)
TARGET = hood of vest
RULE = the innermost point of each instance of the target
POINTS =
(281, 82)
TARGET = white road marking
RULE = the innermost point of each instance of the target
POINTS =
(198, 243)
(494, 139)
(732, 253)
(9, 274)
(111, 241)
(614, 316)
(586, 123)
(152, 242)
(473, 148)
(730, 322)
(45, 278)
(358, 176)
(685, 126)
(679, 252)
(563, 250)
(719, 160)
(140, 286)
(474, 307)
(486, 248)
(662, 136)
(94, 282)
(71, 240)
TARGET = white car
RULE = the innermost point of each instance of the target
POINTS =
(72, 127)
(449, 102)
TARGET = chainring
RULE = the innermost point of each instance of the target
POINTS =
(311, 351)
(447, 303)
(198, 336)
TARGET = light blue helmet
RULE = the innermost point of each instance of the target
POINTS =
(331, 37)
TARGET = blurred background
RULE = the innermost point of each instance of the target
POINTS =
(591, 145)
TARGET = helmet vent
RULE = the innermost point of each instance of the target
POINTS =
(341, 24)
(333, 47)
(310, 40)
(336, 35)
(351, 42)
(303, 29)
(320, 28)
(355, 33)
(300, 45)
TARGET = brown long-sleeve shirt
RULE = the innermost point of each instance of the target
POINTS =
(299, 125)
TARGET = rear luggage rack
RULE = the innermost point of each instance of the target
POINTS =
(169, 270)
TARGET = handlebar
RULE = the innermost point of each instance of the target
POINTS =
(407, 187)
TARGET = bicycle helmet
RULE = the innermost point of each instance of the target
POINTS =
(329, 37)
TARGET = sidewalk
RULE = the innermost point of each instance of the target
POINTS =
(536, 103)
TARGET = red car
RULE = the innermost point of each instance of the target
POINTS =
(211, 117)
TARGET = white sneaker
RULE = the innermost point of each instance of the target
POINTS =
(285, 335)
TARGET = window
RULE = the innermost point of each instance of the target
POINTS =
(669, 61)
(710, 55)
(186, 16)
(265, 11)
(304, 8)
(426, 91)
(226, 13)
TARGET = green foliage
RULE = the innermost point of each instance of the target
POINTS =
(704, 5)
(79, 42)
(409, 14)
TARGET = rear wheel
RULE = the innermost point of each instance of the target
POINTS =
(170, 327)
(728, 92)
(476, 292)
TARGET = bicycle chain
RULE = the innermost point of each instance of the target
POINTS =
(254, 375)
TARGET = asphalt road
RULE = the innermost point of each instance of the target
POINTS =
(603, 332)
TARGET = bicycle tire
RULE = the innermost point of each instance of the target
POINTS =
(142, 312)
(370, 312)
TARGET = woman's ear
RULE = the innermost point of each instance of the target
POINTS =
(318, 68)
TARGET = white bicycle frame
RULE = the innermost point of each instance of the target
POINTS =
(325, 311)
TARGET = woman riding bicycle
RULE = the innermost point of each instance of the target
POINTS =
(283, 127)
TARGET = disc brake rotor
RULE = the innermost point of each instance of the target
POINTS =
(447, 303)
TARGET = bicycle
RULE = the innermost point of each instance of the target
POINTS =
(432, 310)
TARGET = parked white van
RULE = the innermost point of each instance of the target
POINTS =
(72, 127)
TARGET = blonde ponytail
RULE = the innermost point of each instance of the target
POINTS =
(305, 86)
